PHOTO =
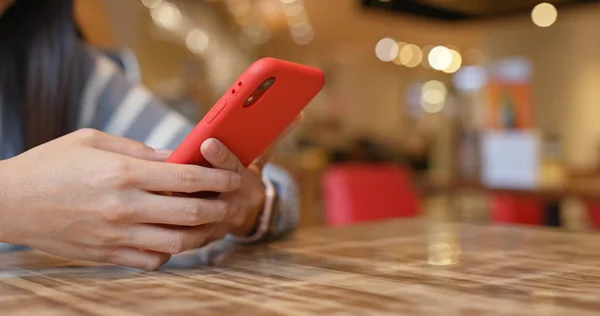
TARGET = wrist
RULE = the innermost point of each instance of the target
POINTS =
(262, 225)
(253, 217)
(7, 201)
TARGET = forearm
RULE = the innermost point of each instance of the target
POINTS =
(7, 201)
(10, 203)
(4, 202)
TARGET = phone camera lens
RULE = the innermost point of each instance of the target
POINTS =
(267, 83)
(259, 92)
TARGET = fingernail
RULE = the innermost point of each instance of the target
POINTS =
(211, 147)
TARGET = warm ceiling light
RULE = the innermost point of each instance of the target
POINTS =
(416, 56)
(544, 14)
(386, 49)
(302, 33)
(440, 58)
(197, 41)
(166, 15)
(257, 34)
(400, 46)
(456, 62)
(410, 55)
(433, 96)
(435, 85)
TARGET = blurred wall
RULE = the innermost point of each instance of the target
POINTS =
(566, 61)
(132, 28)
(164, 59)
(93, 20)
(345, 38)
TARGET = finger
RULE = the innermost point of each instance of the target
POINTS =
(171, 240)
(121, 145)
(221, 230)
(167, 177)
(220, 156)
(173, 210)
(219, 233)
(135, 258)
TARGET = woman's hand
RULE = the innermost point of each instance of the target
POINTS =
(245, 204)
(87, 196)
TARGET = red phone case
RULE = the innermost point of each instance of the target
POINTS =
(248, 131)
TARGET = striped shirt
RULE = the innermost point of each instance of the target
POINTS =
(112, 103)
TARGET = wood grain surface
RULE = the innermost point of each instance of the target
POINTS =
(409, 267)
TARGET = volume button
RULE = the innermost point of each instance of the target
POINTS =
(215, 111)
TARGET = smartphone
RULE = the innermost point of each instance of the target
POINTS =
(254, 111)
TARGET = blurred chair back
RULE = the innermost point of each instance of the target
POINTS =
(514, 209)
(594, 213)
(357, 193)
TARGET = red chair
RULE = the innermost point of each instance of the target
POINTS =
(594, 213)
(513, 209)
(357, 193)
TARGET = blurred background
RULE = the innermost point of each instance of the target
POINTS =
(472, 110)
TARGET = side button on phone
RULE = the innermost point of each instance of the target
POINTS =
(215, 111)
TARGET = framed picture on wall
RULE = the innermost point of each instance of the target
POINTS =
(509, 96)
(509, 106)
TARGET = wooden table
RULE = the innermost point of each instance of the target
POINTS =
(407, 267)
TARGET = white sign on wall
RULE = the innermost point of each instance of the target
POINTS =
(510, 159)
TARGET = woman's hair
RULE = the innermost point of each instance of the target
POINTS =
(41, 71)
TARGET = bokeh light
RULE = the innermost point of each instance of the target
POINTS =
(400, 46)
(455, 63)
(386, 49)
(166, 15)
(197, 41)
(410, 55)
(302, 33)
(433, 96)
(257, 34)
(440, 58)
(544, 14)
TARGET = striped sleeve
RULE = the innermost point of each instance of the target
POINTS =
(113, 104)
